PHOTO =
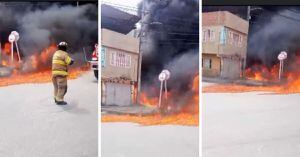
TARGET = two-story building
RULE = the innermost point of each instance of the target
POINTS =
(224, 44)
(119, 57)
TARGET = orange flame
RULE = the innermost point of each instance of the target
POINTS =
(289, 83)
(37, 77)
(260, 72)
(178, 119)
(146, 100)
(187, 116)
(33, 69)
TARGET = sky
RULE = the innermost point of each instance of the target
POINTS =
(124, 4)
(131, 3)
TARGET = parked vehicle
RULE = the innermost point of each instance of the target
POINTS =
(94, 61)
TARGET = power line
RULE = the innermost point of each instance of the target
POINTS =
(294, 11)
(124, 6)
(130, 8)
(163, 24)
(287, 17)
(181, 40)
(177, 33)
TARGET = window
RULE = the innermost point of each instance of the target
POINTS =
(235, 39)
(103, 56)
(120, 59)
(206, 63)
(240, 41)
(208, 35)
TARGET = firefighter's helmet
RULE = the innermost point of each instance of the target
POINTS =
(62, 46)
(63, 43)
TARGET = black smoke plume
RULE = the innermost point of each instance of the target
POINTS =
(170, 41)
(273, 32)
(43, 24)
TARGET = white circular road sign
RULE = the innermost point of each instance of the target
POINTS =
(167, 72)
(11, 38)
(162, 76)
(16, 34)
(282, 55)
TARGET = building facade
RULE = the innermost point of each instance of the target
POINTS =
(224, 44)
(119, 63)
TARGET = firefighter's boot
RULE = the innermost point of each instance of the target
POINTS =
(61, 103)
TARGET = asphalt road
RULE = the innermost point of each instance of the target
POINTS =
(134, 140)
(251, 125)
(31, 125)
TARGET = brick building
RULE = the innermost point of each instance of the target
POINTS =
(119, 57)
(224, 44)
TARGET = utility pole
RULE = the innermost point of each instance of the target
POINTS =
(141, 35)
(245, 57)
(248, 13)
(0, 54)
(249, 9)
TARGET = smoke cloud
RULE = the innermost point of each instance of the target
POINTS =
(41, 26)
(170, 40)
(183, 70)
(280, 33)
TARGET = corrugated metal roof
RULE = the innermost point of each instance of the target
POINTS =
(117, 20)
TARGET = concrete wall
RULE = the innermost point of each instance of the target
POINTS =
(215, 47)
(225, 18)
(117, 94)
(119, 41)
(116, 42)
(230, 68)
(111, 71)
(230, 49)
(212, 47)
(224, 67)
(214, 71)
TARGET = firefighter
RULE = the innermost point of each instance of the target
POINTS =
(60, 62)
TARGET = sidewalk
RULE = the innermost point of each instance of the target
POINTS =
(241, 81)
(216, 80)
(128, 110)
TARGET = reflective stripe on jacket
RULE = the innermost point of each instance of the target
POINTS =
(60, 62)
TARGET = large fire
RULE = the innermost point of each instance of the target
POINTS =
(289, 83)
(192, 101)
(187, 115)
(178, 119)
(38, 77)
(260, 72)
(35, 68)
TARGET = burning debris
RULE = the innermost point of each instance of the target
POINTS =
(267, 39)
(40, 28)
(170, 42)
(38, 77)
(178, 119)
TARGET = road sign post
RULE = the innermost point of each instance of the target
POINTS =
(281, 57)
(163, 77)
(11, 39)
(17, 36)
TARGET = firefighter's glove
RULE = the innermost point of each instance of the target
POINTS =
(72, 61)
